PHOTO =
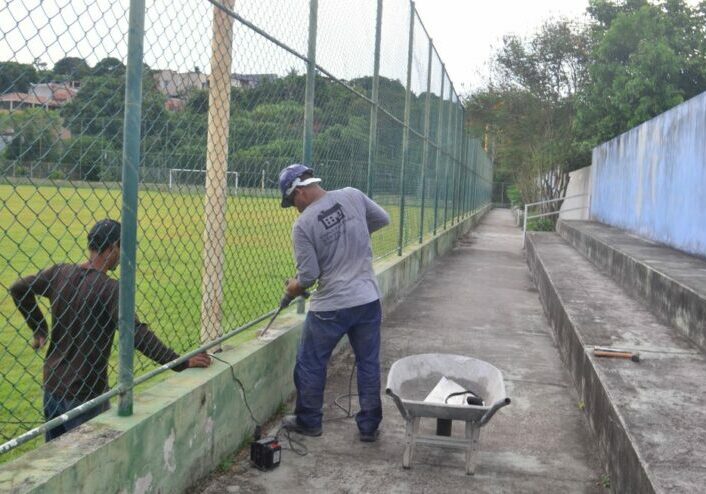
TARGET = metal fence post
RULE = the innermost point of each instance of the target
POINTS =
(128, 234)
(457, 169)
(216, 196)
(375, 96)
(310, 82)
(308, 152)
(425, 152)
(449, 160)
(405, 130)
(439, 153)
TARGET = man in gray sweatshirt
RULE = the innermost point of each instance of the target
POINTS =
(332, 246)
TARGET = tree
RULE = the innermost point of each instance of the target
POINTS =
(91, 156)
(72, 68)
(109, 66)
(647, 58)
(98, 108)
(16, 77)
(525, 116)
(36, 135)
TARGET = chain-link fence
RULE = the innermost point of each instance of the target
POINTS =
(201, 104)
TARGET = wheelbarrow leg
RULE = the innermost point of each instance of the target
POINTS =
(472, 434)
(411, 436)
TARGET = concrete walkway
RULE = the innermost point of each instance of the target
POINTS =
(477, 301)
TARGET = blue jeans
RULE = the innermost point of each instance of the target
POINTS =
(322, 331)
(55, 406)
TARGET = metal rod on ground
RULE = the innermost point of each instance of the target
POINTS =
(215, 200)
(373, 138)
(128, 233)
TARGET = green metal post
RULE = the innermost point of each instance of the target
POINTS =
(425, 156)
(310, 81)
(454, 161)
(472, 159)
(466, 183)
(308, 153)
(405, 130)
(439, 136)
(128, 234)
(375, 96)
(449, 160)
(459, 160)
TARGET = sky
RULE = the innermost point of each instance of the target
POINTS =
(178, 33)
(466, 31)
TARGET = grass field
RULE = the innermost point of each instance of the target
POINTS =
(41, 226)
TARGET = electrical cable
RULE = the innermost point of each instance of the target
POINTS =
(474, 399)
(242, 388)
(348, 395)
(295, 446)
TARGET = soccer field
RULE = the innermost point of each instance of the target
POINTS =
(45, 225)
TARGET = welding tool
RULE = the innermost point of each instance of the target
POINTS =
(283, 304)
(608, 352)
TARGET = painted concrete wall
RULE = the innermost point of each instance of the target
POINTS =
(184, 426)
(652, 179)
(579, 183)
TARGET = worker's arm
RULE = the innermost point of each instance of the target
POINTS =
(307, 263)
(24, 293)
(375, 216)
(149, 345)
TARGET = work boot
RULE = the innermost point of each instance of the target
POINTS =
(290, 423)
(369, 437)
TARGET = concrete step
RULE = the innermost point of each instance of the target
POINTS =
(671, 282)
(648, 417)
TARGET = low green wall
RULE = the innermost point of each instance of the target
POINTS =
(185, 426)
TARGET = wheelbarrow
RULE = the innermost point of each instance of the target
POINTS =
(425, 386)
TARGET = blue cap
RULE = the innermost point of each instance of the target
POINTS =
(289, 180)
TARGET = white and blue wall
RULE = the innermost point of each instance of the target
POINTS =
(651, 180)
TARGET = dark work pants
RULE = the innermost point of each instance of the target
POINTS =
(55, 406)
(322, 331)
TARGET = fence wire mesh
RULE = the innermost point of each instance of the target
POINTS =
(218, 121)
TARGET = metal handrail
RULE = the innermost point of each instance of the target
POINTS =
(542, 215)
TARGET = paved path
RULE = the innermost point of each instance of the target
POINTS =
(478, 301)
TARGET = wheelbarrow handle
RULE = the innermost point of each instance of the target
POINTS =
(496, 406)
(399, 404)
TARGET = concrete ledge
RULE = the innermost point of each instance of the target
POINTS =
(647, 417)
(184, 426)
(671, 282)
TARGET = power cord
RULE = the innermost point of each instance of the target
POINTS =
(349, 395)
(294, 445)
(242, 388)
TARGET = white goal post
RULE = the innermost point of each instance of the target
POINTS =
(197, 178)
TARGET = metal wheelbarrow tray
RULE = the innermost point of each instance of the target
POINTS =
(409, 383)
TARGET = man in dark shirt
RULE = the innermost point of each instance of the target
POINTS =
(84, 308)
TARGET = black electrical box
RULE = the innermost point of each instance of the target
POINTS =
(265, 453)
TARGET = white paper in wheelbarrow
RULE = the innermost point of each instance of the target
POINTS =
(444, 389)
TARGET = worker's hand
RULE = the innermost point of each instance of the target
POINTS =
(293, 288)
(38, 342)
(200, 360)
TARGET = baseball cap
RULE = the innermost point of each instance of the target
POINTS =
(103, 234)
(289, 179)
